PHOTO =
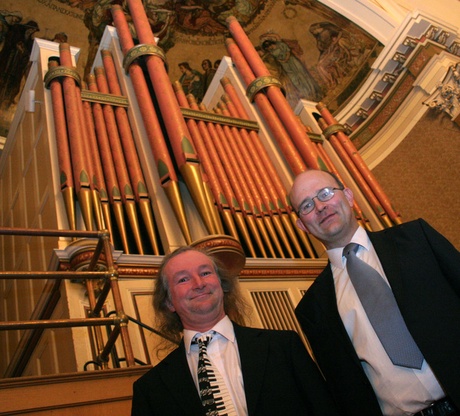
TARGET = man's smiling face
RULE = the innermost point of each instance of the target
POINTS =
(332, 222)
(195, 290)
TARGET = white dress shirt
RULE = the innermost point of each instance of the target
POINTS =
(400, 390)
(223, 353)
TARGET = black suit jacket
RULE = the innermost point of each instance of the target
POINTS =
(279, 377)
(423, 269)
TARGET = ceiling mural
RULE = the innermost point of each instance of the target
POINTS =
(316, 53)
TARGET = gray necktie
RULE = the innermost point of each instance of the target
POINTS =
(382, 310)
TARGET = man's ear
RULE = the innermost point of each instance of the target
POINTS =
(301, 225)
(349, 195)
(169, 305)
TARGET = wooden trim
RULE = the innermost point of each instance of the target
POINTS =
(79, 391)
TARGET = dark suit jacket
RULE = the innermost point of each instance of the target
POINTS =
(279, 376)
(423, 269)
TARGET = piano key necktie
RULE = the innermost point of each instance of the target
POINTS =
(382, 310)
(213, 391)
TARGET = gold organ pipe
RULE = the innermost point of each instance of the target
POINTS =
(268, 172)
(237, 185)
(211, 138)
(118, 157)
(113, 189)
(130, 152)
(164, 164)
(248, 187)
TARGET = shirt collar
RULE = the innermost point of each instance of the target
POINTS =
(335, 254)
(224, 328)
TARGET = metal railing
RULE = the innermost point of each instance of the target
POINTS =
(109, 278)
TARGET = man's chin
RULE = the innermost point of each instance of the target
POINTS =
(329, 219)
(329, 230)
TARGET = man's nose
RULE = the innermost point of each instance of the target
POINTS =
(319, 206)
(198, 281)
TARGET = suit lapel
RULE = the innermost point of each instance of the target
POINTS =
(387, 252)
(253, 356)
(327, 301)
(178, 380)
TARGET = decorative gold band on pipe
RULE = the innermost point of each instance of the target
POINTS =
(110, 99)
(141, 50)
(61, 71)
(261, 83)
(332, 129)
(315, 138)
(220, 119)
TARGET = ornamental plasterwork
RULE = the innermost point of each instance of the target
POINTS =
(418, 33)
(446, 97)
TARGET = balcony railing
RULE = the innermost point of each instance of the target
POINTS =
(116, 322)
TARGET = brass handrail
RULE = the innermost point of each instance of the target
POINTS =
(110, 279)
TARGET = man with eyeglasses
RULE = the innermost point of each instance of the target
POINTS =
(421, 267)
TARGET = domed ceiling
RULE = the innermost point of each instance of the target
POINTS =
(316, 53)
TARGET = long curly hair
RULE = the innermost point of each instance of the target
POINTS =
(168, 323)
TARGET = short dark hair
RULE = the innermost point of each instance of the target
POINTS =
(186, 65)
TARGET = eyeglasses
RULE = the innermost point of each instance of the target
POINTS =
(323, 195)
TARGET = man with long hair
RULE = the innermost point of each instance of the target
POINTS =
(262, 372)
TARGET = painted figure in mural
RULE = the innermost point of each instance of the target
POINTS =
(7, 19)
(299, 75)
(96, 17)
(327, 37)
(191, 81)
(243, 10)
(162, 22)
(338, 53)
(276, 70)
(14, 59)
(194, 17)
(209, 17)
(264, 372)
(208, 73)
